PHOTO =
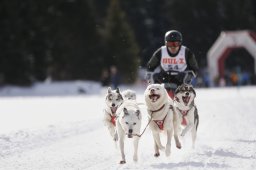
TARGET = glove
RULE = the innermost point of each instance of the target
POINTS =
(148, 77)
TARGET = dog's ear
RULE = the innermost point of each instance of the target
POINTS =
(125, 112)
(138, 114)
(117, 90)
(120, 97)
(109, 89)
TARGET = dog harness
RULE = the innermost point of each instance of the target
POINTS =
(184, 113)
(160, 123)
(113, 119)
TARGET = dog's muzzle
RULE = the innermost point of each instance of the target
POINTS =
(113, 109)
(185, 99)
(154, 97)
(130, 135)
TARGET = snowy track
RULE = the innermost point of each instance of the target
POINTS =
(67, 133)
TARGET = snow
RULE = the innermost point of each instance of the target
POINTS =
(64, 131)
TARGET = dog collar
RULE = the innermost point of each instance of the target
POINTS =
(153, 111)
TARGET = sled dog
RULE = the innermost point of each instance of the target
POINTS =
(112, 101)
(162, 117)
(129, 94)
(128, 124)
(186, 109)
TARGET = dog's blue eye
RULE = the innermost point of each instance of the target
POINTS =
(126, 123)
(134, 123)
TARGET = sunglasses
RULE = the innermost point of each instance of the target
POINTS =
(173, 44)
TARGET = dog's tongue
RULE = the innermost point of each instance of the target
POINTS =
(113, 109)
(186, 99)
(154, 97)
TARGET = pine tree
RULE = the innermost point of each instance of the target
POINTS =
(122, 48)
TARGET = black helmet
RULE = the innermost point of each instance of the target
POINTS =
(172, 36)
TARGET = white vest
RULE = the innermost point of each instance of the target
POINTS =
(177, 63)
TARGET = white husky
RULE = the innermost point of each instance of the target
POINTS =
(128, 123)
(162, 117)
(113, 100)
(187, 110)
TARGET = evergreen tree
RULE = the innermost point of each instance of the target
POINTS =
(74, 40)
(122, 48)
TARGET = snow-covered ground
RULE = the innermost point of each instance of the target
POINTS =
(67, 133)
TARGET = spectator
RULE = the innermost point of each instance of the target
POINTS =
(114, 76)
(105, 79)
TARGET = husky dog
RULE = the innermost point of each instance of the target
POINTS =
(128, 124)
(113, 100)
(162, 117)
(129, 94)
(187, 110)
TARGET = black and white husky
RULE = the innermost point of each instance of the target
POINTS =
(129, 94)
(185, 107)
(113, 100)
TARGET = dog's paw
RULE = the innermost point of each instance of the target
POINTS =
(156, 154)
(122, 162)
(168, 150)
(178, 145)
(182, 134)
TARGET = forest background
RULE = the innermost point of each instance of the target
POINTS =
(78, 39)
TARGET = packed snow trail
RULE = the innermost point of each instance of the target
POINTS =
(67, 133)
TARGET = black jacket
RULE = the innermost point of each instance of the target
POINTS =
(161, 77)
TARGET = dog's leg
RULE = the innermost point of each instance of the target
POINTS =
(157, 153)
(190, 119)
(158, 141)
(194, 130)
(158, 144)
(135, 144)
(186, 129)
(121, 136)
(112, 131)
(110, 126)
(193, 135)
(168, 144)
(115, 136)
(176, 129)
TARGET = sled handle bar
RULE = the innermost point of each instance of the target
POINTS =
(175, 73)
(186, 75)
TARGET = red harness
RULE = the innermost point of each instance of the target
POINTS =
(113, 119)
(160, 123)
(184, 113)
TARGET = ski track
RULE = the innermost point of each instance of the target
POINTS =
(226, 139)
